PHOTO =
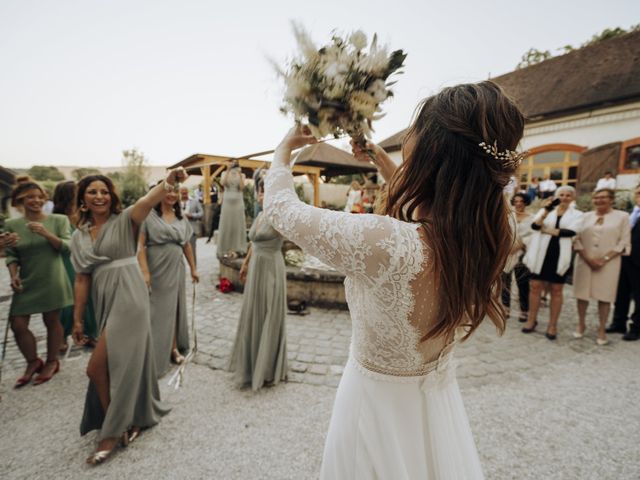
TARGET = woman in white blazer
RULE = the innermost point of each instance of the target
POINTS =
(549, 255)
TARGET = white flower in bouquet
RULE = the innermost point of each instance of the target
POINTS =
(358, 39)
(338, 88)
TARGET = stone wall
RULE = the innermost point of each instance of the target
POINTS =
(319, 289)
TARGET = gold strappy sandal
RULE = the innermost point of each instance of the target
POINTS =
(101, 456)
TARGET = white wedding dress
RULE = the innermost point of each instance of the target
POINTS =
(398, 412)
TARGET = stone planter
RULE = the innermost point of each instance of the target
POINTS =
(319, 289)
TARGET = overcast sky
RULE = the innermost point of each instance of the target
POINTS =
(82, 80)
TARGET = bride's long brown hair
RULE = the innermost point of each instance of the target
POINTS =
(452, 186)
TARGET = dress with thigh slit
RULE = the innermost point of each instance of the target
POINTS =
(121, 302)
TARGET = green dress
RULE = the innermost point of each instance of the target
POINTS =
(232, 231)
(259, 353)
(66, 315)
(121, 302)
(45, 282)
(168, 299)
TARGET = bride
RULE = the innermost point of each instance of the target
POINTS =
(418, 280)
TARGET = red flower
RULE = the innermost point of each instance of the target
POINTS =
(225, 285)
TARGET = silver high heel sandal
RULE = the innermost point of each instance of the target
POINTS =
(101, 456)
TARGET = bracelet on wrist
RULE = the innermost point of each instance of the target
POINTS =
(168, 187)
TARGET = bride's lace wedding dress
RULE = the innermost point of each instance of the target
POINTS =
(398, 412)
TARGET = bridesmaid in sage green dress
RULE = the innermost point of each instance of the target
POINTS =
(38, 278)
(163, 245)
(123, 395)
(232, 232)
(64, 197)
(259, 354)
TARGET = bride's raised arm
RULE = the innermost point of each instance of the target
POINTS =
(362, 246)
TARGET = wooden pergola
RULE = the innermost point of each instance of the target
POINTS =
(313, 161)
(211, 166)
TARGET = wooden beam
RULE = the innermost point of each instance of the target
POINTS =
(206, 187)
(218, 171)
(316, 189)
(202, 161)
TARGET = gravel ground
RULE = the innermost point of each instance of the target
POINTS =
(574, 422)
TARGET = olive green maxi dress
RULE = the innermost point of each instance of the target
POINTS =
(259, 352)
(165, 258)
(45, 285)
(121, 301)
(232, 231)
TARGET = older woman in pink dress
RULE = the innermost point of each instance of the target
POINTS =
(604, 237)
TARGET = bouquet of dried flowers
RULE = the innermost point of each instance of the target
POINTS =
(338, 88)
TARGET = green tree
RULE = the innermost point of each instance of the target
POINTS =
(44, 172)
(132, 182)
(533, 56)
(609, 33)
(78, 173)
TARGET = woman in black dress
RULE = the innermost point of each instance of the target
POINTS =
(549, 256)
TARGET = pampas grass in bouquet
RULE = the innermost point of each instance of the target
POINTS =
(338, 88)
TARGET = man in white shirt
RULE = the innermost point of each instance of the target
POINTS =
(547, 187)
(192, 211)
(606, 182)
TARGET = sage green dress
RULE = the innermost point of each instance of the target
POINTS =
(45, 283)
(121, 301)
(259, 352)
(232, 231)
(165, 257)
(66, 314)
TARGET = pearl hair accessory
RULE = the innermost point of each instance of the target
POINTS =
(510, 159)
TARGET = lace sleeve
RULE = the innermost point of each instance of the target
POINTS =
(357, 245)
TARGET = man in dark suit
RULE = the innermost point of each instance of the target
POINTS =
(629, 283)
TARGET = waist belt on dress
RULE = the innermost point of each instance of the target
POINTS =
(121, 262)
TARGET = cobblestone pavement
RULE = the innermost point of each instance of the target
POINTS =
(539, 409)
(318, 343)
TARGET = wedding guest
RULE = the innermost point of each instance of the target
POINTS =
(123, 395)
(163, 244)
(427, 269)
(193, 212)
(606, 182)
(547, 187)
(533, 191)
(629, 282)
(548, 256)
(15, 210)
(604, 236)
(259, 353)
(354, 197)
(38, 279)
(514, 265)
(258, 177)
(214, 199)
(64, 197)
(232, 238)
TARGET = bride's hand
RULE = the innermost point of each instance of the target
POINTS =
(297, 137)
(371, 152)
